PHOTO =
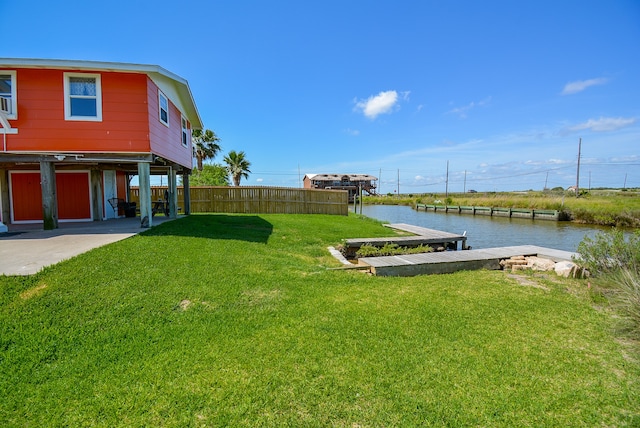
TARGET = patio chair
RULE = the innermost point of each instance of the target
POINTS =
(115, 204)
(129, 208)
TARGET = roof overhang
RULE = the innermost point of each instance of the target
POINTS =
(333, 177)
(174, 86)
(127, 162)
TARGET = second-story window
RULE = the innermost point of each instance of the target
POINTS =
(185, 133)
(82, 97)
(8, 93)
(164, 108)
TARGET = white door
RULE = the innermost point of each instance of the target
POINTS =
(110, 191)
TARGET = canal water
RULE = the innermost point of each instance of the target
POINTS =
(487, 232)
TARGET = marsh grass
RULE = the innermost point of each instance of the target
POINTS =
(234, 320)
(599, 207)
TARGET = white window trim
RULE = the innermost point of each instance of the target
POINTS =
(14, 94)
(184, 129)
(67, 95)
(160, 97)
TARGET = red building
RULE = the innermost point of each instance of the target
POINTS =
(72, 133)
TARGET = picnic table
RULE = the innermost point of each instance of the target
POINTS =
(160, 206)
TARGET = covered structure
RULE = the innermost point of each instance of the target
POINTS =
(73, 133)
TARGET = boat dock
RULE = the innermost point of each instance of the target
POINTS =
(453, 261)
(423, 236)
(496, 212)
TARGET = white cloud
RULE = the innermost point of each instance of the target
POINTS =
(378, 104)
(581, 85)
(260, 180)
(603, 124)
(462, 111)
(353, 132)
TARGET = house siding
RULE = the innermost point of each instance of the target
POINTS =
(42, 126)
(166, 141)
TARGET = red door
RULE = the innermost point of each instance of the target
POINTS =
(72, 189)
(26, 196)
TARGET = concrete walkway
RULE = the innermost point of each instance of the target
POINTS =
(26, 249)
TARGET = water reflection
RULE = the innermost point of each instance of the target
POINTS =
(486, 232)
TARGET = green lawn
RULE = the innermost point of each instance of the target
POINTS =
(231, 320)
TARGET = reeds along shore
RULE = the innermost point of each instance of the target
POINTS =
(603, 208)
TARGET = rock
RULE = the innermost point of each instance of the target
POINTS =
(570, 270)
(564, 269)
(539, 263)
(512, 262)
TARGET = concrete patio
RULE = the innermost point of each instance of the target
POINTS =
(27, 248)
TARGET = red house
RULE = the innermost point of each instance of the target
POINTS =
(72, 133)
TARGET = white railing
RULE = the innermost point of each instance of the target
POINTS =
(5, 105)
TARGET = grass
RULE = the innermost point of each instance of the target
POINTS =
(599, 207)
(234, 320)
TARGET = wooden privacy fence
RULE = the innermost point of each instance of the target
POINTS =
(257, 200)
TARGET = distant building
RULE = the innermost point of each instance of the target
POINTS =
(350, 182)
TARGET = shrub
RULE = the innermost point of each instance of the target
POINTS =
(615, 262)
(609, 251)
(626, 297)
(368, 250)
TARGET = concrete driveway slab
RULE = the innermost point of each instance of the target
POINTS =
(26, 249)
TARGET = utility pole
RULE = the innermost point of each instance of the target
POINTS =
(464, 187)
(398, 182)
(625, 181)
(545, 181)
(446, 185)
(578, 172)
(380, 182)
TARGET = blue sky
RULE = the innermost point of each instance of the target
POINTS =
(501, 90)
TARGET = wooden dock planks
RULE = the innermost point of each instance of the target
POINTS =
(452, 261)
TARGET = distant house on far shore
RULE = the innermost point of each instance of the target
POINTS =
(350, 182)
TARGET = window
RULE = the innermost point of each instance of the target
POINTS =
(8, 104)
(164, 108)
(82, 97)
(185, 132)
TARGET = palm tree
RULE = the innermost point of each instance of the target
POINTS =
(237, 166)
(205, 145)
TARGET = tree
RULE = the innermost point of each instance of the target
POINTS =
(211, 175)
(237, 166)
(205, 145)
